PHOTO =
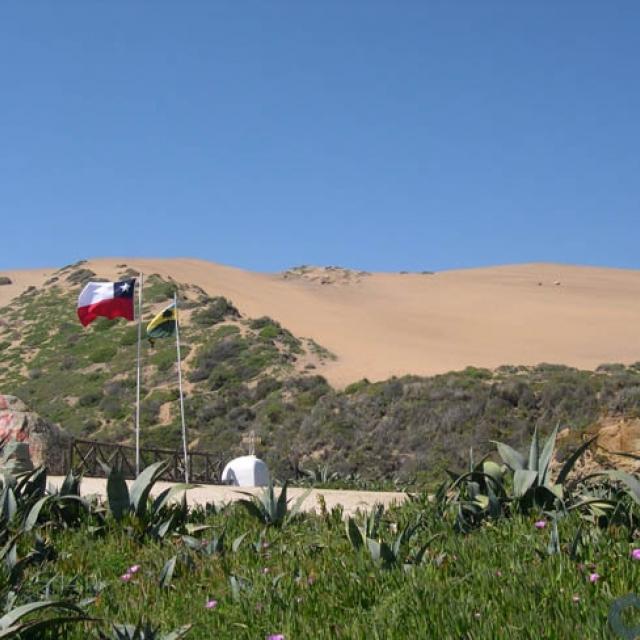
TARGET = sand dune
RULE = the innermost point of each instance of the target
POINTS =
(385, 324)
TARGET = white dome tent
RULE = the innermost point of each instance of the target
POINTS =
(247, 471)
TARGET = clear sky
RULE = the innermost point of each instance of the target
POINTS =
(378, 135)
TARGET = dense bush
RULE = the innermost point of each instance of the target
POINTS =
(90, 399)
(214, 311)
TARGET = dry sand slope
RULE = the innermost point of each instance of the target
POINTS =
(386, 324)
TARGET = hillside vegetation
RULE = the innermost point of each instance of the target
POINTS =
(244, 374)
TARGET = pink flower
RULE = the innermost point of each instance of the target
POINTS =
(540, 524)
(499, 573)
(211, 604)
(134, 569)
(635, 554)
(125, 577)
(594, 577)
(276, 636)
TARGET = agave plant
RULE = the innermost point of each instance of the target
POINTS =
(156, 518)
(63, 506)
(272, 510)
(143, 631)
(476, 495)
(532, 482)
(388, 554)
(15, 625)
(321, 475)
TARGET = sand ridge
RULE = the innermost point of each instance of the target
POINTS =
(388, 324)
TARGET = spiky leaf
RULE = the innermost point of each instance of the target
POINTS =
(142, 486)
(523, 480)
(117, 494)
(512, 458)
(545, 456)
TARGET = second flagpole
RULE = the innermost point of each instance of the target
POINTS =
(138, 377)
(184, 427)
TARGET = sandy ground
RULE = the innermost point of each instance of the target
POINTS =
(386, 324)
(351, 501)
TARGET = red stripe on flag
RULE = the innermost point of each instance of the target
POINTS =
(112, 308)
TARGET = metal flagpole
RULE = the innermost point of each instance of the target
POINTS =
(184, 428)
(138, 377)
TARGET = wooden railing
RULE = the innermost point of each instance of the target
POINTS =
(86, 456)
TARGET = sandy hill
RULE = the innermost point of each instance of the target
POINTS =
(384, 324)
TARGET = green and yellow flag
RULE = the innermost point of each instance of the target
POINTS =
(164, 324)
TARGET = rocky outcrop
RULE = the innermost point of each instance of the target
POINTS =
(39, 442)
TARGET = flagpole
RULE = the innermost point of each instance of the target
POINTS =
(184, 428)
(138, 377)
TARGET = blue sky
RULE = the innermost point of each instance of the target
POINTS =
(378, 135)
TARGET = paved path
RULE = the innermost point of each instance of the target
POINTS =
(351, 501)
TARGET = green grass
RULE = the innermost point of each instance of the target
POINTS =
(306, 581)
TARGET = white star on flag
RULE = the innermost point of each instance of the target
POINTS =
(124, 287)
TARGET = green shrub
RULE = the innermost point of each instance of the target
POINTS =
(215, 311)
(82, 276)
(164, 359)
(104, 353)
(114, 407)
(130, 336)
(355, 387)
(270, 331)
(104, 324)
(90, 399)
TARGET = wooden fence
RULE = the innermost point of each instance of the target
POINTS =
(86, 456)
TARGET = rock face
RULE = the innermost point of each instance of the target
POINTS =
(39, 442)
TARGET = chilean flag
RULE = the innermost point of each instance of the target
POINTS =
(108, 299)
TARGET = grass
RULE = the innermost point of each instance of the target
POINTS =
(307, 581)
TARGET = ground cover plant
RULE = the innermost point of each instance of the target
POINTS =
(530, 563)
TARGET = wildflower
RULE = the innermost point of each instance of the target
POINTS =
(125, 577)
(635, 554)
(134, 569)
(477, 615)
(540, 524)
(311, 579)
(576, 598)
(265, 570)
(498, 573)
(276, 636)
(211, 604)
(594, 577)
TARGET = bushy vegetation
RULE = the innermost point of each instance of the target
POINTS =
(243, 374)
(487, 556)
